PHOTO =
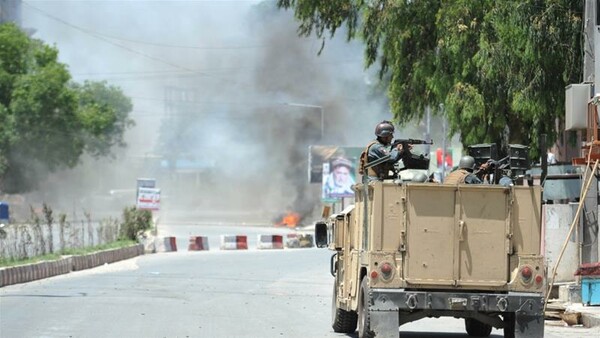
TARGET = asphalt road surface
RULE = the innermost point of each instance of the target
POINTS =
(216, 294)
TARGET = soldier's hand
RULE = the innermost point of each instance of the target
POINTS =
(401, 148)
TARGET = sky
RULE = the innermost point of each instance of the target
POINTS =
(226, 87)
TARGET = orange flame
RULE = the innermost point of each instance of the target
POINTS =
(291, 220)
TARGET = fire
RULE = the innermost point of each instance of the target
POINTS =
(291, 220)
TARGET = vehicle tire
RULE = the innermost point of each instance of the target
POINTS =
(476, 328)
(364, 322)
(342, 321)
(509, 325)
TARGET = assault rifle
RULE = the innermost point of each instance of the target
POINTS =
(496, 168)
(410, 160)
(405, 142)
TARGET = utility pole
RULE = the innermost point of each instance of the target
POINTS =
(428, 130)
(589, 26)
(591, 74)
(444, 126)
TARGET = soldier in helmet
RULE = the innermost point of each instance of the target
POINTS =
(464, 174)
(380, 148)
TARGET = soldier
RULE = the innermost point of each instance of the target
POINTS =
(380, 148)
(464, 174)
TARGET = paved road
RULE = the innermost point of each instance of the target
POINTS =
(253, 293)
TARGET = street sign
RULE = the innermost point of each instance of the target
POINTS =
(148, 198)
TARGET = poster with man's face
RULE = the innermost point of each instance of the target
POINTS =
(335, 168)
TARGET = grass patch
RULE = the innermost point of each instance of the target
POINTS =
(66, 252)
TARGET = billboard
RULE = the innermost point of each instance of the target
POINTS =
(334, 168)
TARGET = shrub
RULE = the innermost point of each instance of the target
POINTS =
(135, 221)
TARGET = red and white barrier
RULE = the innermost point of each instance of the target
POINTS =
(233, 242)
(198, 243)
(165, 244)
(269, 242)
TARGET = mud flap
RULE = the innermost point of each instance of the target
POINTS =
(529, 326)
(385, 324)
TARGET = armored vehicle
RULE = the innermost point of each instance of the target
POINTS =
(407, 251)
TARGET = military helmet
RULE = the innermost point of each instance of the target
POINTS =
(384, 128)
(467, 162)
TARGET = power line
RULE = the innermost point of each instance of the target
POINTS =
(161, 75)
(100, 37)
(166, 45)
(105, 38)
(149, 43)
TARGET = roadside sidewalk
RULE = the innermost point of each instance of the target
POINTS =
(30, 272)
(590, 315)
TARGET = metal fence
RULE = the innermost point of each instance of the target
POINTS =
(39, 237)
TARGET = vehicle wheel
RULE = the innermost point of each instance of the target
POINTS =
(509, 325)
(476, 328)
(364, 322)
(342, 321)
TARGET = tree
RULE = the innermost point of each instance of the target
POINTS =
(48, 122)
(104, 115)
(499, 67)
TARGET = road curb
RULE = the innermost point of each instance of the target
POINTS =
(590, 319)
(31, 272)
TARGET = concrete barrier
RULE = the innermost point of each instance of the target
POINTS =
(30, 272)
(234, 242)
(165, 244)
(198, 243)
(105, 257)
(269, 242)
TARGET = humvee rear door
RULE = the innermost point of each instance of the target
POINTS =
(483, 223)
(456, 235)
(430, 234)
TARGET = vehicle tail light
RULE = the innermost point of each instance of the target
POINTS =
(386, 270)
(374, 274)
(526, 273)
(539, 279)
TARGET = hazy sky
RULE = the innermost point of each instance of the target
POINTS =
(246, 93)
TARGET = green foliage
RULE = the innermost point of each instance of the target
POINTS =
(499, 67)
(48, 121)
(7, 262)
(135, 221)
(104, 114)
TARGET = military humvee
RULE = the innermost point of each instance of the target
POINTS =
(406, 251)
